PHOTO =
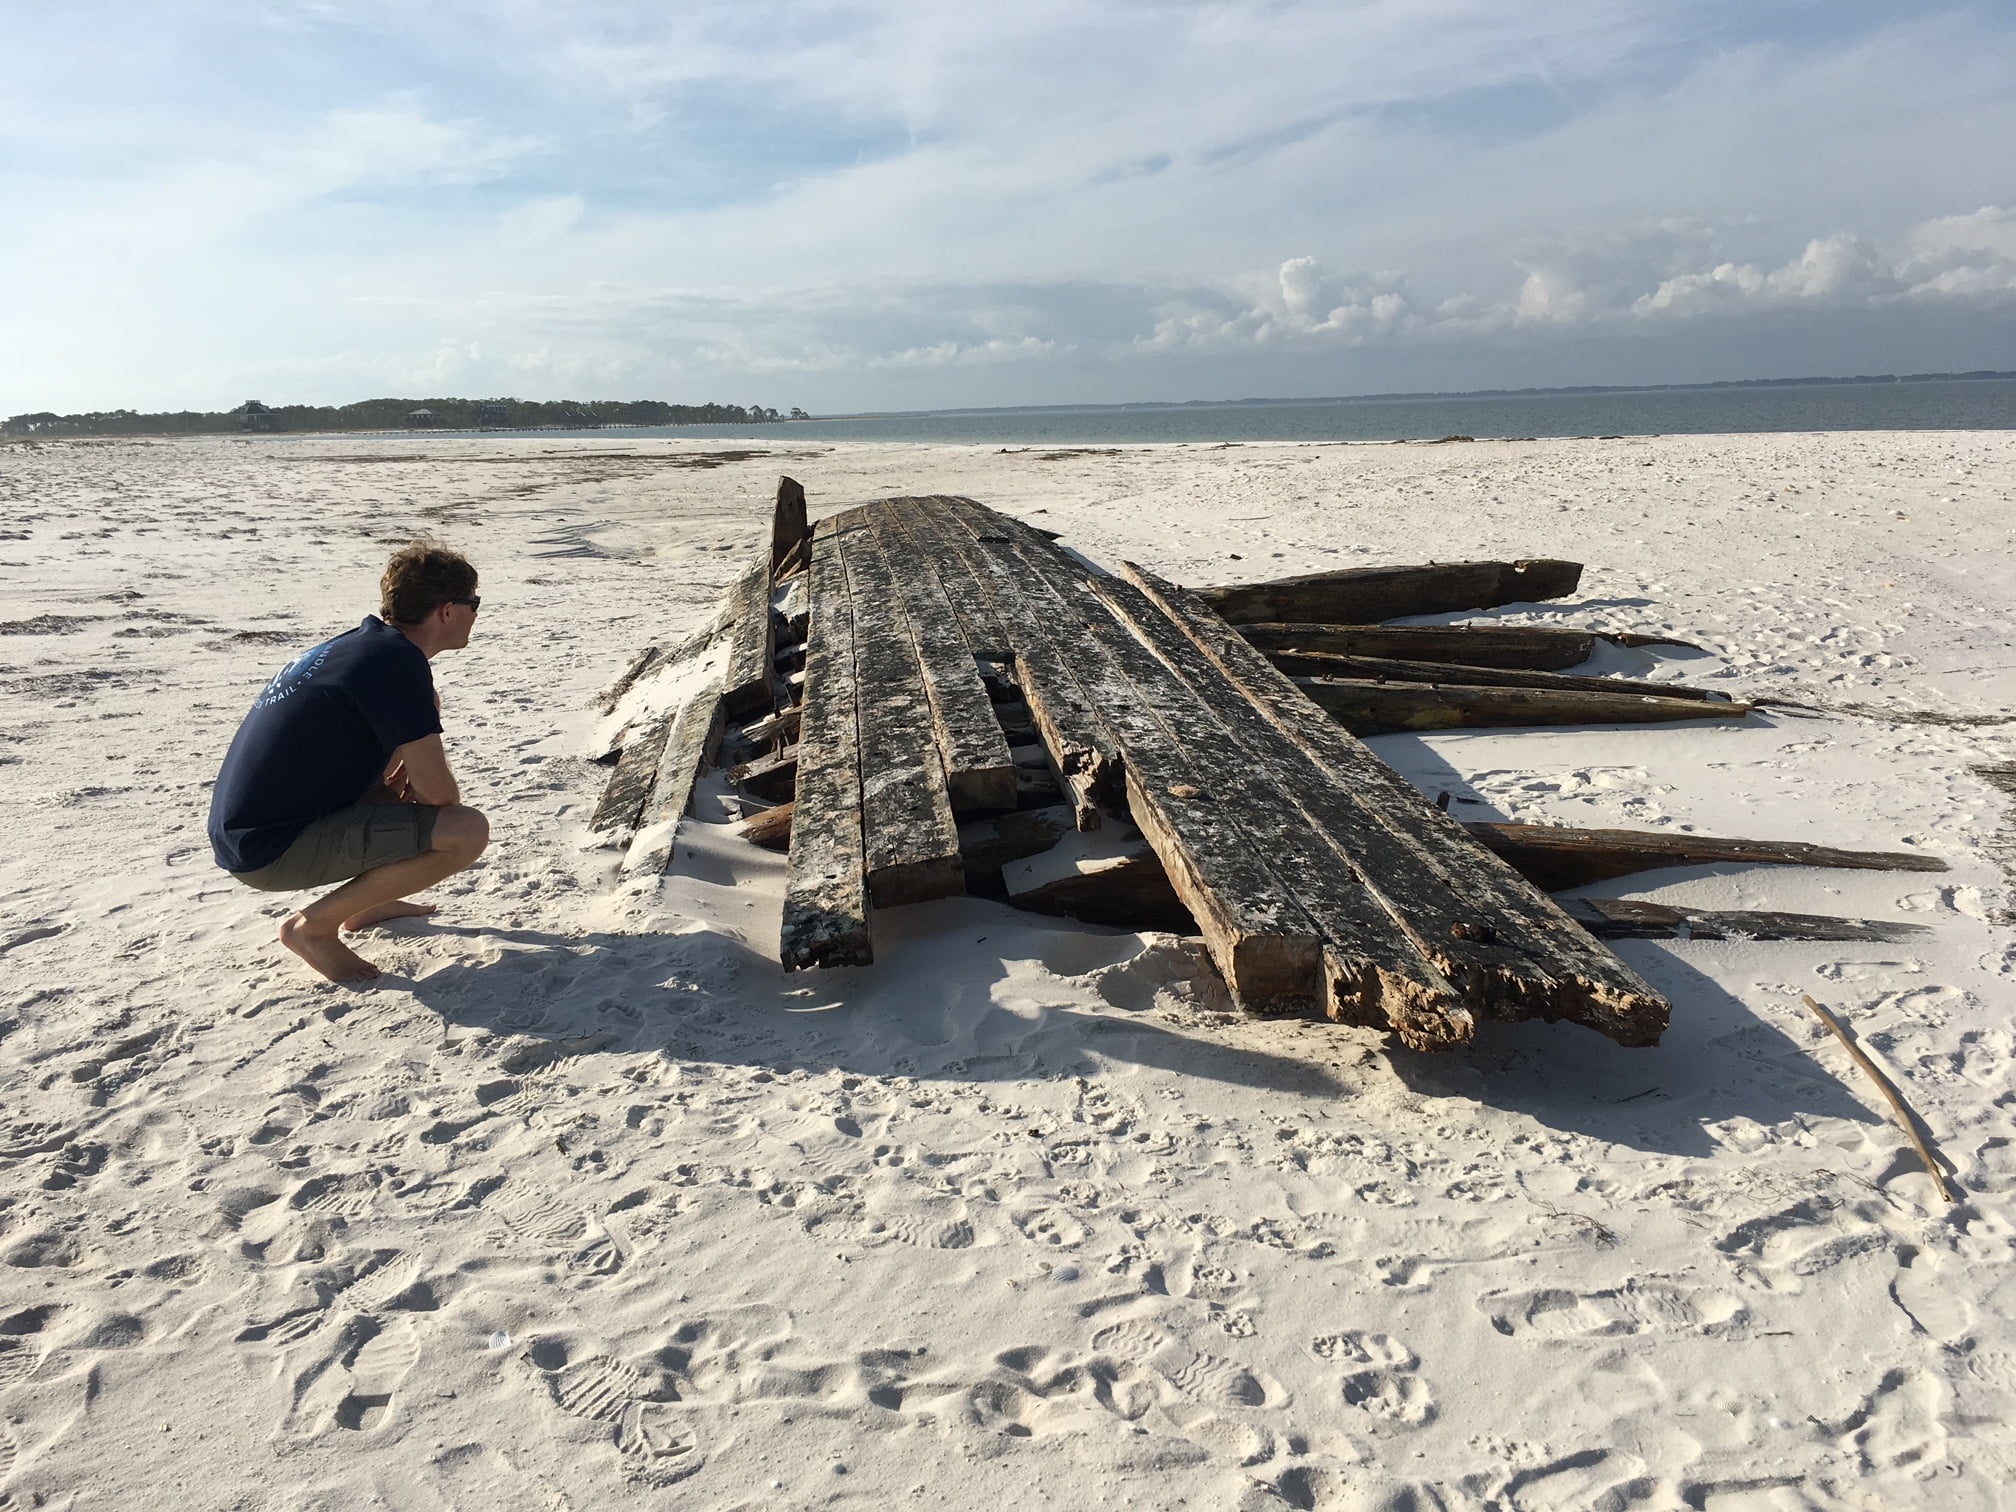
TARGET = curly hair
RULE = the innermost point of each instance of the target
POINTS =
(419, 579)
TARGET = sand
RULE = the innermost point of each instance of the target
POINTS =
(587, 1205)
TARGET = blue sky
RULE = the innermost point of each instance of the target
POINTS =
(890, 204)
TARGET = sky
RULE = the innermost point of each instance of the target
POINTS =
(851, 205)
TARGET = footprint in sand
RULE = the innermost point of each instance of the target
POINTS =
(1638, 1306)
(654, 1445)
(1051, 1226)
(1384, 1382)
(1204, 1378)
(376, 1371)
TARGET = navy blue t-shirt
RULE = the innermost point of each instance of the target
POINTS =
(318, 739)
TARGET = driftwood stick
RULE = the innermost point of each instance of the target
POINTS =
(1896, 1100)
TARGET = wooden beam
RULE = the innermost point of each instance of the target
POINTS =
(1510, 949)
(1366, 595)
(630, 784)
(979, 773)
(1538, 648)
(788, 530)
(783, 725)
(694, 738)
(1441, 674)
(1081, 750)
(1274, 908)
(1372, 708)
(1632, 919)
(1128, 891)
(1554, 857)
(826, 890)
(771, 776)
(749, 683)
(910, 838)
(770, 829)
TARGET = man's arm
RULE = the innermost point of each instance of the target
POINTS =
(428, 779)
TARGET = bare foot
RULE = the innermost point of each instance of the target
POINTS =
(327, 954)
(398, 908)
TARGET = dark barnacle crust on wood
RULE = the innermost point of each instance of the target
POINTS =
(1366, 595)
(1555, 857)
(825, 891)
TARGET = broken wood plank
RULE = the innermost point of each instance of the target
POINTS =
(639, 665)
(1371, 708)
(749, 682)
(979, 774)
(1081, 750)
(1634, 919)
(695, 737)
(826, 889)
(1540, 648)
(1392, 669)
(788, 531)
(1554, 857)
(979, 627)
(987, 845)
(1366, 595)
(774, 776)
(1278, 914)
(783, 725)
(1559, 970)
(910, 838)
(770, 829)
(1126, 891)
(630, 784)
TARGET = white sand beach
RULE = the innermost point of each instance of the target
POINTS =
(587, 1204)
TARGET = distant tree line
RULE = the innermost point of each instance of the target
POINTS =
(393, 414)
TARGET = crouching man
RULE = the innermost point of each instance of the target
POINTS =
(338, 772)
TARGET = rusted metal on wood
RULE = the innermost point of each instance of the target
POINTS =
(1366, 595)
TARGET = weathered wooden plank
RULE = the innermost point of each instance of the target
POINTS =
(783, 725)
(987, 845)
(695, 737)
(909, 835)
(1081, 750)
(1632, 919)
(1373, 708)
(979, 627)
(979, 774)
(641, 663)
(788, 531)
(1127, 891)
(1538, 648)
(826, 889)
(1576, 979)
(1328, 664)
(1366, 595)
(1283, 920)
(630, 784)
(772, 776)
(749, 681)
(1554, 857)
(770, 829)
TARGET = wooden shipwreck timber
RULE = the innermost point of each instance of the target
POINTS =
(926, 696)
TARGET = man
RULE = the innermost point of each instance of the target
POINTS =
(339, 771)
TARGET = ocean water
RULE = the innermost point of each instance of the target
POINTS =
(1974, 404)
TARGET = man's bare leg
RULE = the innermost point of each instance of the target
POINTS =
(397, 909)
(459, 837)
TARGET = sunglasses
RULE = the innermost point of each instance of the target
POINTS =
(474, 602)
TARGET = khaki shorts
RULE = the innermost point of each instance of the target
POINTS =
(348, 843)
